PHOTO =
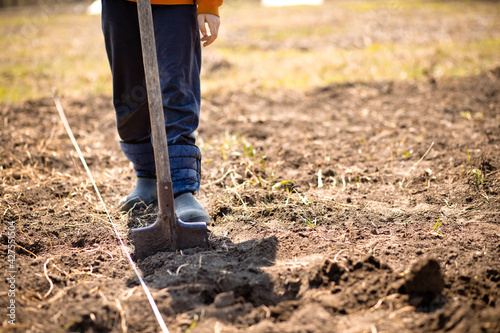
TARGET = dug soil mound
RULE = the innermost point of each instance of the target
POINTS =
(363, 207)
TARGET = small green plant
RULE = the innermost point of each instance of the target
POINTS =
(466, 114)
(279, 184)
(249, 151)
(405, 154)
(478, 175)
(437, 226)
(195, 322)
(305, 200)
(309, 223)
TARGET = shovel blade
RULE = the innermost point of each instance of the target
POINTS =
(192, 234)
(159, 237)
(152, 239)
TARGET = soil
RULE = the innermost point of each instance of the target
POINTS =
(353, 208)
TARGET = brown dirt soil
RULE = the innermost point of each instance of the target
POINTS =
(347, 209)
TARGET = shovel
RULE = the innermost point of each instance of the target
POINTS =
(168, 233)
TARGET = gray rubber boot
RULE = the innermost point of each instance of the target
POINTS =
(188, 209)
(142, 196)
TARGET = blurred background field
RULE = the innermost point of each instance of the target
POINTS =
(263, 49)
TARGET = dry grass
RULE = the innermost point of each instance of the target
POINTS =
(50, 50)
(296, 48)
(300, 48)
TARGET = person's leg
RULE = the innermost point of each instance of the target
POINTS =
(123, 46)
(179, 60)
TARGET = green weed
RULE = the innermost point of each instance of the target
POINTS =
(479, 177)
(437, 226)
(303, 198)
(281, 183)
(466, 114)
(308, 222)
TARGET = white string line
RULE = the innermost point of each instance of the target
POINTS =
(151, 300)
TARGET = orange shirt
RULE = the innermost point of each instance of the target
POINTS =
(204, 6)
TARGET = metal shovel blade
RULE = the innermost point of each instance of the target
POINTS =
(157, 238)
(168, 233)
(191, 234)
(152, 239)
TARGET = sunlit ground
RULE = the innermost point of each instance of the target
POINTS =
(263, 49)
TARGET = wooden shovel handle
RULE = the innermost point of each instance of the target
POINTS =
(155, 103)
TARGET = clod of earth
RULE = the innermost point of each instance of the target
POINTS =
(424, 282)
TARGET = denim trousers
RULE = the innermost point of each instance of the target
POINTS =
(179, 60)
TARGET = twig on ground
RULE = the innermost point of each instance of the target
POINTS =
(123, 316)
(383, 299)
(127, 294)
(104, 298)
(60, 270)
(22, 248)
(99, 249)
(404, 309)
(56, 317)
(48, 279)
(218, 181)
(335, 258)
(239, 197)
(267, 311)
(179, 268)
(233, 179)
(59, 294)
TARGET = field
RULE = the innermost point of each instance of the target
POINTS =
(351, 169)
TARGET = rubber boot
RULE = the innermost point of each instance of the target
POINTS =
(188, 209)
(143, 195)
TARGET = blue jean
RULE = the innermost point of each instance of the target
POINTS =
(179, 61)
